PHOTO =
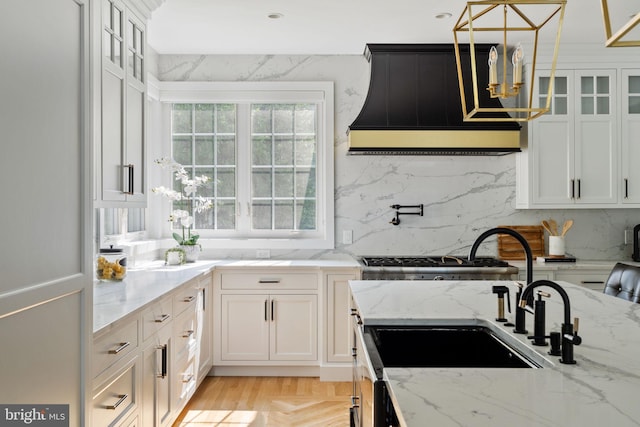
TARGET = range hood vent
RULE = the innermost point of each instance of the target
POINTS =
(413, 105)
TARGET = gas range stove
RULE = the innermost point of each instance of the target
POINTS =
(440, 267)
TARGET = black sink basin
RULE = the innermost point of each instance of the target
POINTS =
(444, 347)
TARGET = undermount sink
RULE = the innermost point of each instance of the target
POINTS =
(448, 346)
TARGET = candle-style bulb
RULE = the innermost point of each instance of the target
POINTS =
(517, 58)
(493, 69)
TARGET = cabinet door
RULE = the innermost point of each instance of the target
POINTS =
(294, 327)
(630, 136)
(596, 150)
(113, 95)
(204, 327)
(551, 143)
(245, 327)
(156, 379)
(135, 111)
(338, 318)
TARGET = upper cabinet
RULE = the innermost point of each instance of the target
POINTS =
(630, 127)
(121, 152)
(573, 158)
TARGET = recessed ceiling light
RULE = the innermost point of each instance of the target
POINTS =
(275, 15)
(443, 15)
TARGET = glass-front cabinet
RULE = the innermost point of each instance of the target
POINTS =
(572, 154)
(630, 136)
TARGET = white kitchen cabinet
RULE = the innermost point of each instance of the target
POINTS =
(266, 317)
(156, 379)
(123, 93)
(204, 322)
(116, 398)
(592, 279)
(339, 336)
(269, 327)
(572, 156)
(630, 136)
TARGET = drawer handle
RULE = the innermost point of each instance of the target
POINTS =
(592, 282)
(122, 398)
(187, 378)
(268, 281)
(123, 345)
(162, 318)
(188, 333)
(189, 298)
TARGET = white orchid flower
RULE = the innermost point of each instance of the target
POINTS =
(179, 214)
(187, 221)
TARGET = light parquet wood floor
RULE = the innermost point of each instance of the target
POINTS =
(268, 402)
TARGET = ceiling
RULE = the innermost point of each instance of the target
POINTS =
(336, 26)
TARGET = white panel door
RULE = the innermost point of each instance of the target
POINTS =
(46, 287)
(630, 114)
(245, 327)
(294, 327)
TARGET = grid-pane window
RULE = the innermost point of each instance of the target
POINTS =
(267, 148)
(203, 138)
(283, 166)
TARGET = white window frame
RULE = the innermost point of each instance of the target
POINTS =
(320, 93)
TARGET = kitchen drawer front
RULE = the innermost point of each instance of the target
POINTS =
(113, 346)
(185, 298)
(116, 399)
(156, 316)
(185, 331)
(592, 280)
(185, 381)
(269, 280)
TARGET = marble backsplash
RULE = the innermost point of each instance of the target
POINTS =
(462, 196)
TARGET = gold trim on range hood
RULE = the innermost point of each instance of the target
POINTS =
(434, 142)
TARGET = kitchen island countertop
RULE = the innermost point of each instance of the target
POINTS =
(601, 389)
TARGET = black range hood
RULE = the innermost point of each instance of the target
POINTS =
(413, 105)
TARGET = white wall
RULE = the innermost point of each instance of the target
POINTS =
(463, 196)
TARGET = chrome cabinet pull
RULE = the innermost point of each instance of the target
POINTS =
(268, 281)
(579, 189)
(592, 282)
(130, 174)
(123, 345)
(266, 319)
(162, 318)
(163, 362)
(573, 188)
(272, 307)
(188, 378)
(188, 333)
(122, 398)
(189, 298)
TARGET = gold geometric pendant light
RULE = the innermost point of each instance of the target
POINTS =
(508, 25)
(616, 40)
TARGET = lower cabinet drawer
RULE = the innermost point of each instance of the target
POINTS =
(185, 381)
(116, 398)
(185, 332)
(269, 280)
(113, 346)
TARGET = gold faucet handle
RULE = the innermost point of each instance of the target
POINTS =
(575, 325)
(543, 294)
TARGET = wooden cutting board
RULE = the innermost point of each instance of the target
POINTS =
(510, 249)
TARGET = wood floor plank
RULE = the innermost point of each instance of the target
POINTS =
(268, 402)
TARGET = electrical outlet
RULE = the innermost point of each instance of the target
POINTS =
(347, 237)
(627, 237)
(263, 253)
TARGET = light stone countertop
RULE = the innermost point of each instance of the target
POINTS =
(142, 285)
(600, 390)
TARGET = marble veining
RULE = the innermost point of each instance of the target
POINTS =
(463, 196)
(601, 389)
